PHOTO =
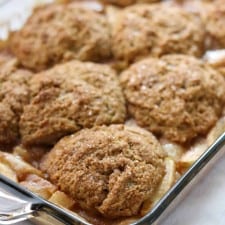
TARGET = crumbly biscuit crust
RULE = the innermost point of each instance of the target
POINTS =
(70, 97)
(59, 33)
(176, 96)
(14, 94)
(148, 30)
(111, 170)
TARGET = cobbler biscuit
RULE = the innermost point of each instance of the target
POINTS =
(8, 125)
(157, 29)
(58, 33)
(68, 98)
(212, 13)
(214, 18)
(109, 170)
(14, 94)
(177, 96)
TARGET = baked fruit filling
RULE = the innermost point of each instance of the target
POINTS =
(105, 104)
(60, 32)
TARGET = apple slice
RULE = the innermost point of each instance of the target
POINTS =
(39, 186)
(216, 131)
(216, 58)
(20, 167)
(167, 182)
(127, 221)
(8, 172)
(112, 13)
(173, 150)
(131, 123)
(61, 199)
(190, 156)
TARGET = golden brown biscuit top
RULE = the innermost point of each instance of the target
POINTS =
(154, 30)
(70, 97)
(176, 96)
(111, 170)
(60, 32)
(214, 17)
(212, 13)
(14, 94)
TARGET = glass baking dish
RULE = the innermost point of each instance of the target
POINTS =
(26, 205)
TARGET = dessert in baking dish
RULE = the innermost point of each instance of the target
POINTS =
(176, 96)
(14, 94)
(70, 97)
(148, 30)
(61, 32)
(108, 170)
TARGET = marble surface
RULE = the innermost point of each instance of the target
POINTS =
(204, 204)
